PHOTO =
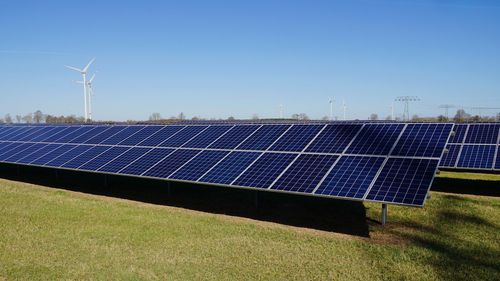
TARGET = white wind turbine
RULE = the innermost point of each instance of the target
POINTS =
(90, 93)
(83, 72)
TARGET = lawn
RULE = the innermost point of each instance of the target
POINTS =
(48, 233)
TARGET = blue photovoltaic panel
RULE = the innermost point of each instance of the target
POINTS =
(123, 134)
(6, 131)
(305, 173)
(94, 131)
(52, 155)
(17, 153)
(140, 136)
(334, 138)
(36, 132)
(228, 169)
(48, 133)
(424, 140)
(75, 133)
(109, 132)
(13, 150)
(67, 156)
(450, 158)
(375, 139)
(477, 156)
(497, 163)
(39, 153)
(351, 176)
(59, 134)
(483, 134)
(124, 160)
(200, 164)
(207, 137)
(8, 147)
(264, 137)
(171, 163)
(265, 170)
(459, 135)
(144, 163)
(183, 136)
(22, 153)
(234, 137)
(81, 155)
(13, 132)
(103, 158)
(404, 181)
(297, 138)
(160, 136)
(25, 133)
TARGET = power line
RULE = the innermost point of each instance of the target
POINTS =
(406, 100)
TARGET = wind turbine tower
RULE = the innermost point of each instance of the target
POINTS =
(331, 108)
(406, 100)
(90, 93)
(83, 72)
(345, 109)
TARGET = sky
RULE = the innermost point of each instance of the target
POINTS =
(215, 59)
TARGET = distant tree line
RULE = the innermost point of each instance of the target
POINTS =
(38, 117)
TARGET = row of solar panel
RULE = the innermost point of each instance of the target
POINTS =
(414, 140)
(402, 181)
(473, 146)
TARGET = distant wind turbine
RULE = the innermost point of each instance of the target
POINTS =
(83, 72)
(90, 93)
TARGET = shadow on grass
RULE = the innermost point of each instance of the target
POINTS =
(465, 186)
(458, 241)
(310, 212)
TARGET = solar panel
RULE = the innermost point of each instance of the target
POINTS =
(474, 147)
(349, 160)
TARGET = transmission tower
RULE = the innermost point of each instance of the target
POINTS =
(446, 107)
(406, 100)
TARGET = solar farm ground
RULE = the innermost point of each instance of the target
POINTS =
(51, 233)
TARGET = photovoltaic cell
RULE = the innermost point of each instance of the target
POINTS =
(26, 134)
(334, 138)
(54, 154)
(8, 149)
(234, 137)
(67, 156)
(48, 133)
(232, 166)
(160, 136)
(81, 158)
(103, 158)
(497, 163)
(74, 134)
(459, 135)
(197, 166)
(89, 134)
(404, 181)
(39, 153)
(375, 139)
(265, 170)
(297, 138)
(351, 176)
(424, 140)
(482, 134)
(13, 132)
(13, 150)
(59, 134)
(183, 136)
(140, 136)
(477, 156)
(109, 132)
(264, 137)
(450, 158)
(36, 132)
(18, 153)
(33, 147)
(206, 137)
(305, 173)
(144, 163)
(124, 160)
(171, 163)
(123, 134)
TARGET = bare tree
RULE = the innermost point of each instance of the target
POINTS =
(374, 116)
(255, 117)
(461, 116)
(8, 118)
(19, 118)
(155, 116)
(303, 116)
(230, 118)
(182, 116)
(38, 117)
(28, 118)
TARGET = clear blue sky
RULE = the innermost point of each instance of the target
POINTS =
(238, 58)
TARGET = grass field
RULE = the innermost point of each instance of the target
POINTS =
(48, 233)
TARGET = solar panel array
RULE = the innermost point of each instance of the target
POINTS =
(383, 162)
(473, 146)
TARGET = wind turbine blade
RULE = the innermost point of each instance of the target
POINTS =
(79, 82)
(73, 68)
(88, 65)
(91, 78)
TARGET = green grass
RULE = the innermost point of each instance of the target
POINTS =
(48, 234)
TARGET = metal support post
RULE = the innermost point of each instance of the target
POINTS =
(384, 214)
